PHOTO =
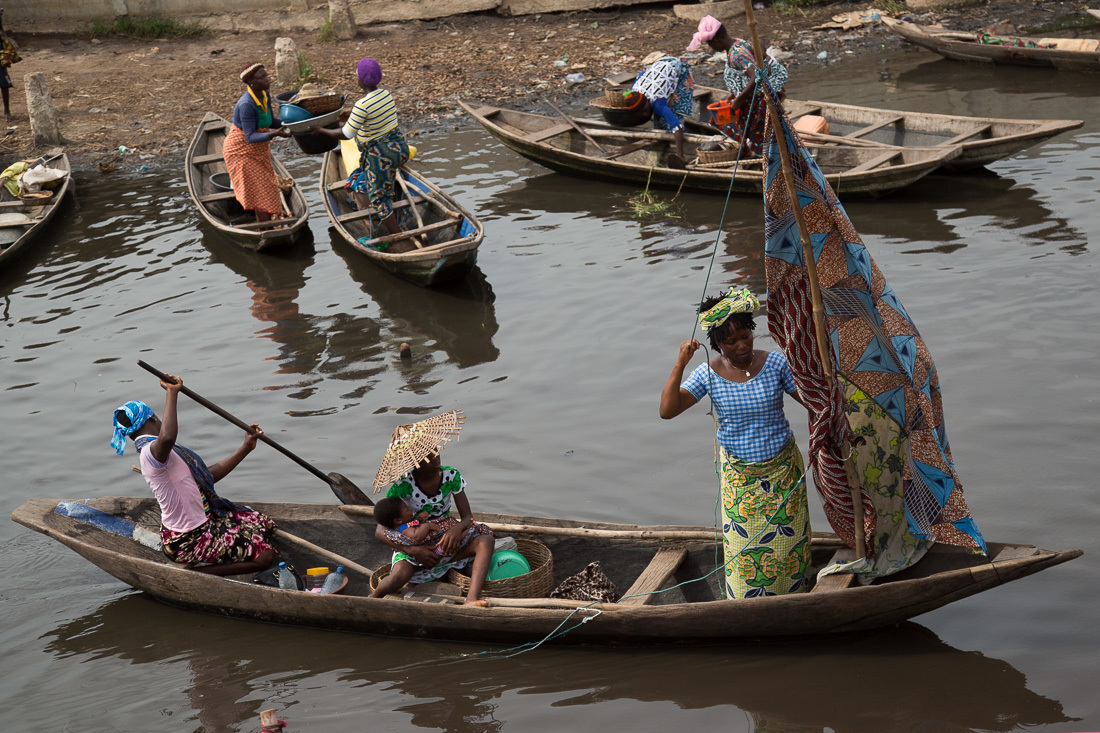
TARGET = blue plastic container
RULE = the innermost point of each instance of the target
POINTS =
(293, 113)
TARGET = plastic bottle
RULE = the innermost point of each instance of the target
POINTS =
(333, 581)
(286, 578)
(575, 78)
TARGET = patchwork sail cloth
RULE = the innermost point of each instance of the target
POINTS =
(887, 389)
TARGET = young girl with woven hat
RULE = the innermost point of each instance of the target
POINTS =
(413, 470)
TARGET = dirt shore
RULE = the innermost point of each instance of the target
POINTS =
(146, 96)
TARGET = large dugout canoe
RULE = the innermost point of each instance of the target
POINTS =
(220, 208)
(629, 154)
(981, 140)
(638, 559)
(445, 236)
(22, 225)
(1068, 54)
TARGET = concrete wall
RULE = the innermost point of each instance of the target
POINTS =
(72, 16)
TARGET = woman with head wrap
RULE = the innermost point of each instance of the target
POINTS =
(247, 148)
(382, 147)
(665, 90)
(764, 511)
(740, 78)
(197, 527)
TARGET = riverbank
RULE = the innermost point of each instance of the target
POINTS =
(144, 97)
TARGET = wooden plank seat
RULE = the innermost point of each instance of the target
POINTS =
(219, 196)
(369, 211)
(203, 159)
(269, 224)
(877, 126)
(838, 581)
(967, 135)
(876, 161)
(629, 148)
(553, 131)
(660, 570)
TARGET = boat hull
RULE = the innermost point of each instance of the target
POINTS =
(948, 574)
(41, 216)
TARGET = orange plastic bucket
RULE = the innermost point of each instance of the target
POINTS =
(722, 113)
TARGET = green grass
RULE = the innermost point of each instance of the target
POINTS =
(305, 70)
(324, 33)
(644, 205)
(153, 26)
(790, 7)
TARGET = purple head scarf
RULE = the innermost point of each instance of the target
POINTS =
(370, 73)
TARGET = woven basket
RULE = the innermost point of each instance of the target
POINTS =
(717, 156)
(613, 97)
(377, 575)
(320, 105)
(536, 584)
(618, 114)
(37, 198)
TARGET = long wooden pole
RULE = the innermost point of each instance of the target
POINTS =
(811, 275)
(345, 490)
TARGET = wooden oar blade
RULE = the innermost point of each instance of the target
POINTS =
(346, 491)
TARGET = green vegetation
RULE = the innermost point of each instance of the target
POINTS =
(893, 7)
(305, 70)
(153, 26)
(1064, 23)
(790, 7)
(645, 205)
(325, 34)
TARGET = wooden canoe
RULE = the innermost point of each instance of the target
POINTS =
(638, 156)
(638, 559)
(220, 209)
(22, 225)
(439, 236)
(981, 140)
(964, 46)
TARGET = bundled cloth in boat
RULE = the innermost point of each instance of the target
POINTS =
(886, 391)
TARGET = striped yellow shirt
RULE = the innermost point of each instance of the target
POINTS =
(372, 117)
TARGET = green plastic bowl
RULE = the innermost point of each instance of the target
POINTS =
(507, 564)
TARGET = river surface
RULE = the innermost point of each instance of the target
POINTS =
(556, 349)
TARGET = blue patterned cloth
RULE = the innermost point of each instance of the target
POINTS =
(751, 423)
(138, 413)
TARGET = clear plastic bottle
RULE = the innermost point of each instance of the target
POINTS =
(333, 581)
(286, 578)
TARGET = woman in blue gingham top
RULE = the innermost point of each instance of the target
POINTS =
(765, 523)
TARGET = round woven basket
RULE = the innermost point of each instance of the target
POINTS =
(320, 105)
(536, 584)
(617, 114)
(37, 198)
(377, 575)
(717, 156)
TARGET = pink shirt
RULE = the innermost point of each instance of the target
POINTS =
(176, 491)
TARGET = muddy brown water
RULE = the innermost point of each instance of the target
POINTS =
(556, 349)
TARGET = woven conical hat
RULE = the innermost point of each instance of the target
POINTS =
(411, 444)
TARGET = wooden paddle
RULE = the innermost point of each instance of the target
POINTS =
(345, 490)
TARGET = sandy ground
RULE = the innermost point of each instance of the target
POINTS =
(148, 95)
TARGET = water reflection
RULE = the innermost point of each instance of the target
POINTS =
(458, 318)
(904, 678)
(938, 208)
(943, 75)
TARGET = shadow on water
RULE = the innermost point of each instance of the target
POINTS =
(944, 75)
(458, 317)
(904, 678)
(934, 209)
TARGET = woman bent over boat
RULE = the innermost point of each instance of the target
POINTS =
(198, 527)
(765, 514)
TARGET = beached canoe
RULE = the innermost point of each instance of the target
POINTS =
(120, 537)
(1067, 54)
(439, 238)
(981, 140)
(22, 224)
(639, 156)
(219, 207)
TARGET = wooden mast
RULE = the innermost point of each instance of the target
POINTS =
(811, 275)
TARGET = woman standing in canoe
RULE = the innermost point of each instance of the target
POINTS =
(765, 515)
(247, 148)
(382, 146)
(740, 78)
